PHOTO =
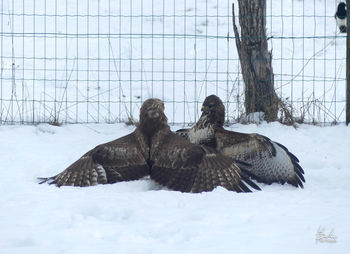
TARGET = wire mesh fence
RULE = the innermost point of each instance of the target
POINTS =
(75, 61)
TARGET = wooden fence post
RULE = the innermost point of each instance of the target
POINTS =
(348, 64)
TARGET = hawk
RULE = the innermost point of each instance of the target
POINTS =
(153, 149)
(270, 161)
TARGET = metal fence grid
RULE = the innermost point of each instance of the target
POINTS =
(77, 61)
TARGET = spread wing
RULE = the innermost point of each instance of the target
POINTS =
(120, 160)
(182, 166)
(271, 161)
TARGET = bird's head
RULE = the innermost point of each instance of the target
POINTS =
(341, 10)
(213, 110)
(152, 117)
(342, 6)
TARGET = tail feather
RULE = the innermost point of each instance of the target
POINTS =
(49, 180)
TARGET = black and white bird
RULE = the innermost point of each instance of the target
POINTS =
(340, 17)
(154, 150)
(271, 162)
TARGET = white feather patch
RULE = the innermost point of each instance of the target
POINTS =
(196, 135)
(341, 22)
(101, 172)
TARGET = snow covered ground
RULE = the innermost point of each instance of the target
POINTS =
(141, 217)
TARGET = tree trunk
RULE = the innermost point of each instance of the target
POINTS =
(347, 120)
(260, 95)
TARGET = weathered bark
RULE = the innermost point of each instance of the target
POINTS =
(348, 66)
(260, 95)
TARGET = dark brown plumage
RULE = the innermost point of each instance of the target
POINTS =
(152, 149)
(271, 161)
(180, 165)
(123, 159)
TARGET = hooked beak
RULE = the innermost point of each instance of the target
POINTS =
(202, 109)
(154, 113)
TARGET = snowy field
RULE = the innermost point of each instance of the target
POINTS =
(141, 217)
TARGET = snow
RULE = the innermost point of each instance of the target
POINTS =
(142, 217)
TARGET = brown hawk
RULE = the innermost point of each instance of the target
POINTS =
(271, 161)
(152, 149)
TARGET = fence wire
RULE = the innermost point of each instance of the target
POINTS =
(75, 61)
